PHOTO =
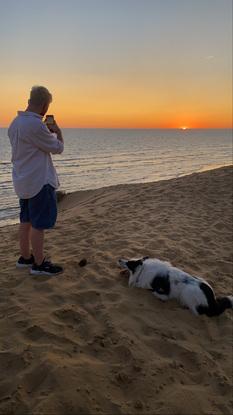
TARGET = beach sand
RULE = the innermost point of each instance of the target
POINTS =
(84, 343)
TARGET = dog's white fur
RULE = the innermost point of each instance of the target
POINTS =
(182, 286)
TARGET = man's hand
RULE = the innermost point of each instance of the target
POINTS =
(55, 129)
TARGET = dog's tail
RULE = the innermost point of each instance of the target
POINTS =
(216, 306)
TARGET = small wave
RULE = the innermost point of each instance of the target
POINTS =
(5, 162)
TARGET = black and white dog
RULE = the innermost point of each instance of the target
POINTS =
(167, 282)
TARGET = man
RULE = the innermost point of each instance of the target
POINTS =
(35, 179)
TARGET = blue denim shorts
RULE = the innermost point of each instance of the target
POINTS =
(40, 210)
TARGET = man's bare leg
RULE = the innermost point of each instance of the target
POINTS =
(37, 241)
(24, 239)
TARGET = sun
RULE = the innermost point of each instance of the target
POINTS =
(184, 128)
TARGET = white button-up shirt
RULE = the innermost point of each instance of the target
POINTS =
(32, 144)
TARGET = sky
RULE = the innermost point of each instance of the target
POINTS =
(119, 63)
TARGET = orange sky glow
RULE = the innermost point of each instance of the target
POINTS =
(124, 108)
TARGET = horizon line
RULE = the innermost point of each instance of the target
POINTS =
(140, 128)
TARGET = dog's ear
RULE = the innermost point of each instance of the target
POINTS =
(133, 264)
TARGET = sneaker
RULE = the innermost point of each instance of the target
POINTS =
(46, 268)
(25, 263)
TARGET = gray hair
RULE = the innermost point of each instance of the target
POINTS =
(40, 95)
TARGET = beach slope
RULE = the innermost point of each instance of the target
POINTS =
(84, 343)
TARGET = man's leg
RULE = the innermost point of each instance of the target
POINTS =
(24, 239)
(37, 241)
(43, 214)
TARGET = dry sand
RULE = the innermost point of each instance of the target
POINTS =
(84, 343)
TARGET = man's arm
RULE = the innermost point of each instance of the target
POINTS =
(46, 140)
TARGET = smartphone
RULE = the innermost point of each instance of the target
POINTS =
(49, 119)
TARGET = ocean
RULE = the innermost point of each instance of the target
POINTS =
(95, 158)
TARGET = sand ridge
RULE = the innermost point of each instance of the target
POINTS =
(84, 343)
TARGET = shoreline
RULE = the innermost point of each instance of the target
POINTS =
(81, 192)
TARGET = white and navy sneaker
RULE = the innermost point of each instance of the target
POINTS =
(46, 268)
(25, 263)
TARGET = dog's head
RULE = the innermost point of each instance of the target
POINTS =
(132, 265)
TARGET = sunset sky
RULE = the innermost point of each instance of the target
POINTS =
(119, 63)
